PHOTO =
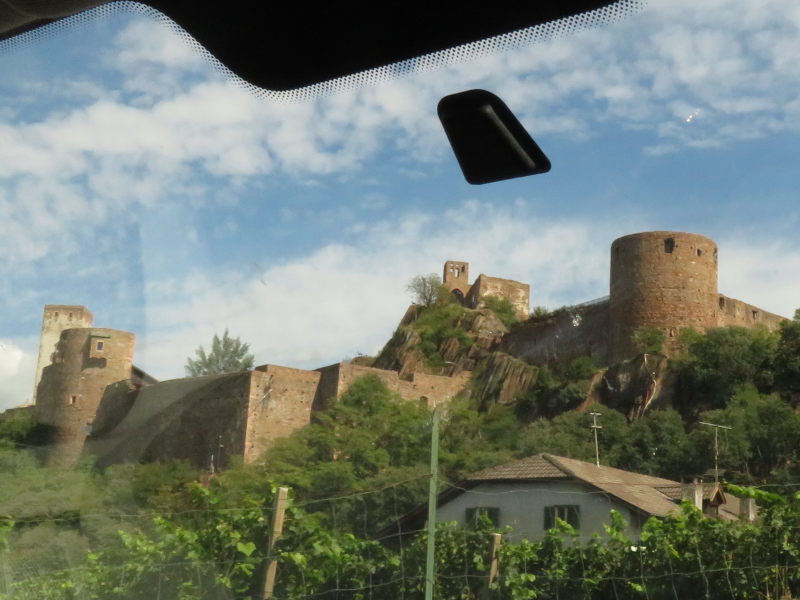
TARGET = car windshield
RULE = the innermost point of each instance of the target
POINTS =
(143, 189)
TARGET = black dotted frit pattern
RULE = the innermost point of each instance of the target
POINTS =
(516, 39)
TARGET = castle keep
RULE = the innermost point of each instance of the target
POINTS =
(97, 402)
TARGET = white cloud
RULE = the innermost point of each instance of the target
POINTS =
(346, 298)
(762, 273)
(726, 63)
(16, 373)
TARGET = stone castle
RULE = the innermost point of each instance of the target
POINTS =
(663, 280)
(95, 401)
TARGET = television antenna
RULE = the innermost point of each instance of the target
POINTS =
(716, 427)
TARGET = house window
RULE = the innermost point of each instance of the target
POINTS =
(570, 513)
(72, 400)
(99, 346)
(472, 514)
(669, 245)
(699, 252)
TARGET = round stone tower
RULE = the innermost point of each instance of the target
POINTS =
(660, 279)
(85, 363)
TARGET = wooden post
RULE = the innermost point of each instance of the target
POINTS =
(494, 546)
(278, 511)
(432, 501)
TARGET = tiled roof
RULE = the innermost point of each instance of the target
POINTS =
(651, 495)
(641, 491)
(530, 468)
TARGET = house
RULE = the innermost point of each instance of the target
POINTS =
(531, 493)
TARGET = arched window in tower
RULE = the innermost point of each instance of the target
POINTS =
(669, 245)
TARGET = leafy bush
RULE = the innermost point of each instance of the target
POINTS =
(502, 308)
(435, 325)
(648, 340)
(552, 394)
(539, 313)
(580, 368)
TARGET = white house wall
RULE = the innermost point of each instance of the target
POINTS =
(522, 506)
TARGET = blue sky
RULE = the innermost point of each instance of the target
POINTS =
(140, 181)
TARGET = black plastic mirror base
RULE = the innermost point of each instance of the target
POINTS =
(488, 140)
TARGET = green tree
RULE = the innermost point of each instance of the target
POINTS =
(227, 355)
(764, 441)
(569, 434)
(425, 289)
(367, 439)
(660, 446)
(648, 340)
(719, 362)
(787, 361)
(553, 395)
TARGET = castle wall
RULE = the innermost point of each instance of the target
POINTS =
(517, 293)
(210, 430)
(280, 402)
(568, 334)
(661, 279)
(56, 318)
(735, 312)
(202, 420)
(434, 389)
(86, 362)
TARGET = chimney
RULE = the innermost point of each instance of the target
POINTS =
(693, 492)
(747, 509)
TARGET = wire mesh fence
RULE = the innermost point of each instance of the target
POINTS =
(215, 547)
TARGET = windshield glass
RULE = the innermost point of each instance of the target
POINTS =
(142, 183)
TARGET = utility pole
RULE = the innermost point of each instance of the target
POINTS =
(595, 427)
(432, 494)
(278, 511)
(716, 427)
